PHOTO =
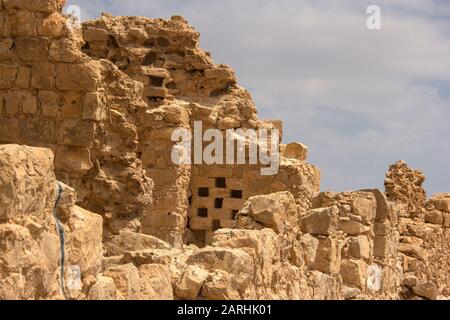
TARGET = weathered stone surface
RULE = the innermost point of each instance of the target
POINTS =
(404, 185)
(31, 252)
(127, 281)
(103, 289)
(27, 182)
(353, 273)
(191, 283)
(131, 241)
(426, 290)
(320, 221)
(104, 102)
(295, 150)
(276, 211)
(86, 250)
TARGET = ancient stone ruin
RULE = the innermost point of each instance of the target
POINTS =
(93, 207)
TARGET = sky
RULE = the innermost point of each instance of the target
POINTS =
(359, 99)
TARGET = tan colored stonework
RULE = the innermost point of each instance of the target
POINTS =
(96, 109)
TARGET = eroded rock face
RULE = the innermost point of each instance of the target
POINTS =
(404, 185)
(99, 106)
(30, 247)
(60, 99)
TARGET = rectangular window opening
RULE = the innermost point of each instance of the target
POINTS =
(202, 212)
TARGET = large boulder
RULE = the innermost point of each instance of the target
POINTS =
(276, 211)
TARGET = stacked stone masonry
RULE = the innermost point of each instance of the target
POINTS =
(96, 108)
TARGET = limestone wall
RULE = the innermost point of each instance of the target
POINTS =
(54, 96)
(103, 103)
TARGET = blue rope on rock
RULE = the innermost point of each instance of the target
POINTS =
(60, 229)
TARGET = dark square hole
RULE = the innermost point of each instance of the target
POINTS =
(218, 203)
(203, 192)
(235, 212)
(216, 225)
(156, 81)
(202, 212)
(237, 194)
(220, 183)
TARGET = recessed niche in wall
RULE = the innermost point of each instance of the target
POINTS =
(218, 203)
(221, 183)
(202, 212)
(237, 194)
(203, 192)
(216, 225)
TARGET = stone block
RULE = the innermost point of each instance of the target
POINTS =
(191, 283)
(234, 261)
(219, 73)
(38, 130)
(94, 107)
(295, 150)
(352, 227)
(233, 204)
(44, 6)
(23, 24)
(320, 221)
(8, 75)
(127, 281)
(310, 246)
(276, 211)
(446, 217)
(154, 92)
(64, 50)
(77, 77)
(9, 129)
(72, 105)
(426, 290)
(85, 248)
(6, 47)
(357, 248)
(26, 182)
(156, 282)
(76, 133)
(43, 76)
(131, 241)
(354, 273)
(13, 102)
(29, 105)
(328, 257)
(382, 228)
(199, 223)
(380, 246)
(434, 217)
(32, 49)
(443, 204)
(53, 25)
(49, 103)
(103, 289)
(23, 78)
(76, 160)
(95, 34)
